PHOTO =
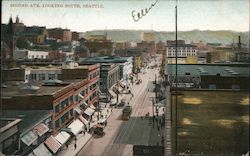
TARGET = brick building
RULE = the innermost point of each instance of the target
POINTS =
(64, 35)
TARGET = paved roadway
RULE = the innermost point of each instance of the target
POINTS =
(120, 136)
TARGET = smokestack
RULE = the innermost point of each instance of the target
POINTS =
(239, 44)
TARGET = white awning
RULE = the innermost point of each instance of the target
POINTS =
(41, 129)
(41, 150)
(29, 138)
(112, 93)
(76, 126)
(62, 137)
(89, 111)
(78, 110)
(83, 120)
(31, 154)
(52, 144)
(122, 85)
(92, 106)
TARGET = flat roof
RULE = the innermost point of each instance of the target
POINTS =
(106, 59)
(226, 70)
(19, 89)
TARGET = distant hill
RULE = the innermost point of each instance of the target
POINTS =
(225, 37)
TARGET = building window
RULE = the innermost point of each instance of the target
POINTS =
(57, 124)
(57, 109)
(71, 112)
(71, 99)
(41, 77)
(65, 103)
(51, 76)
(211, 86)
(32, 76)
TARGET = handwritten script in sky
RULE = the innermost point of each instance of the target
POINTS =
(137, 16)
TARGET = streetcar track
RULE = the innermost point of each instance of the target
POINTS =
(114, 148)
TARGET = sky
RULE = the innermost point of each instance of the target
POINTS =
(117, 14)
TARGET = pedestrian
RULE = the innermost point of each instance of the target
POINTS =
(75, 146)
(75, 138)
(107, 111)
(67, 145)
(89, 124)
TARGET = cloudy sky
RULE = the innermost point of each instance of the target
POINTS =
(192, 14)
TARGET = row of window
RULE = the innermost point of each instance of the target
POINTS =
(63, 118)
(93, 75)
(181, 50)
(38, 56)
(65, 103)
(93, 86)
(42, 76)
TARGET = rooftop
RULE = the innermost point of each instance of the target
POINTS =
(227, 70)
(181, 45)
(106, 59)
(21, 89)
(29, 117)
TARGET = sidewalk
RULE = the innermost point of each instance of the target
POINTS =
(83, 139)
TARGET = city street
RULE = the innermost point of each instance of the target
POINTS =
(120, 135)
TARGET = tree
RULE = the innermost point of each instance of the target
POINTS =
(22, 43)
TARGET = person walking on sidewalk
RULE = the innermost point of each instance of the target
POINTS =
(75, 146)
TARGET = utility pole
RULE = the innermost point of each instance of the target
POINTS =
(176, 80)
(155, 88)
(98, 105)
(117, 92)
(153, 105)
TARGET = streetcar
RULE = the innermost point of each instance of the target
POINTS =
(126, 112)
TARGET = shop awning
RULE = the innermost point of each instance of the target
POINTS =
(76, 126)
(41, 129)
(122, 85)
(31, 154)
(113, 95)
(89, 111)
(52, 144)
(115, 90)
(93, 107)
(41, 150)
(29, 138)
(86, 122)
(62, 137)
(78, 110)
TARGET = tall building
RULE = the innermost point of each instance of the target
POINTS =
(186, 53)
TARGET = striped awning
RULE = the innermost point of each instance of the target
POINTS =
(29, 138)
(52, 144)
(62, 137)
(41, 150)
(41, 129)
(83, 120)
